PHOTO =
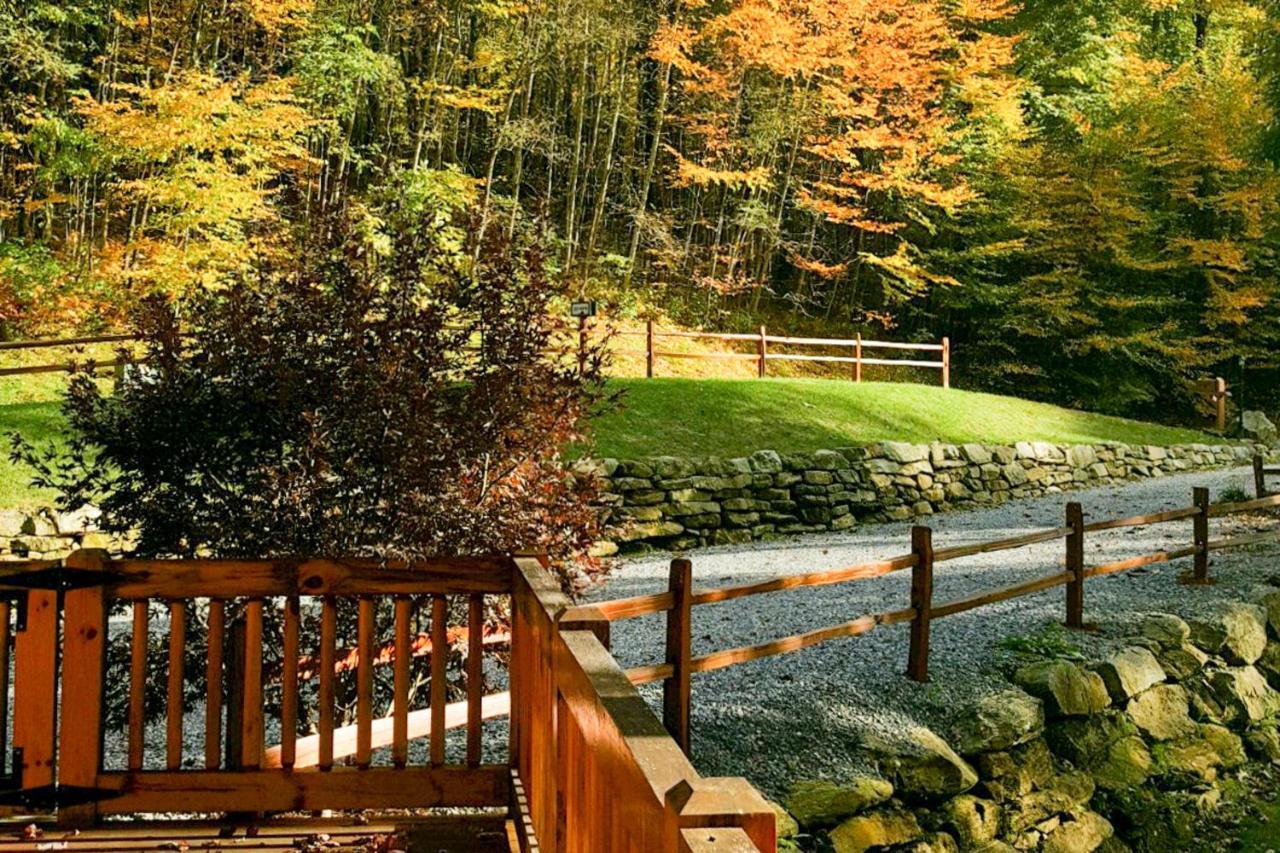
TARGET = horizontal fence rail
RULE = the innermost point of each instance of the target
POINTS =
(681, 597)
(1260, 473)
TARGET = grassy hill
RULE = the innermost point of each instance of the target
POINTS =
(730, 417)
(724, 417)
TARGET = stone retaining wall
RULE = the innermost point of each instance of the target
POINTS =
(1155, 746)
(678, 503)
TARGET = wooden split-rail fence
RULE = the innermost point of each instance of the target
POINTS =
(921, 611)
(587, 767)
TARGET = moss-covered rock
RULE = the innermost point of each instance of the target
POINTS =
(1066, 689)
(1163, 712)
(971, 820)
(1079, 832)
(821, 803)
(1016, 772)
(1234, 630)
(920, 764)
(1244, 695)
(1000, 721)
(1107, 746)
(873, 830)
(1128, 672)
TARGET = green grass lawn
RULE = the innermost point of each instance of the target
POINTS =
(723, 417)
(727, 417)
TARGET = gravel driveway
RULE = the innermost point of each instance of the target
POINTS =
(799, 715)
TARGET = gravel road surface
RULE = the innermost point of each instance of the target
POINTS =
(800, 715)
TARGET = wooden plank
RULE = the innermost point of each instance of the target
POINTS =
(628, 608)
(439, 658)
(957, 552)
(1268, 502)
(138, 684)
(213, 685)
(400, 702)
(863, 571)
(729, 840)
(731, 657)
(1142, 520)
(174, 710)
(1139, 562)
(251, 728)
(676, 690)
(417, 725)
(84, 660)
(475, 679)
(638, 675)
(364, 682)
(1240, 541)
(902, 362)
(1030, 587)
(307, 790)
(921, 602)
(325, 698)
(722, 356)
(35, 688)
(173, 579)
(49, 343)
(289, 683)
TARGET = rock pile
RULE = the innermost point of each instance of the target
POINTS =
(1136, 750)
(679, 503)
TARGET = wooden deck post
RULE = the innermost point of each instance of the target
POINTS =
(1201, 531)
(857, 358)
(921, 602)
(764, 351)
(1075, 565)
(650, 358)
(676, 690)
(728, 804)
(84, 662)
(1259, 475)
(35, 689)
(946, 362)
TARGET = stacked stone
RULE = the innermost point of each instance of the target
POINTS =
(678, 503)
(1138, 750)
(49, 535)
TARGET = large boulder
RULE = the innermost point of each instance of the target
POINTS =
(875, 830)
(1106, 746)
(1128, 672)
(1258, 426)
(1244, 696)
(1080, 832)
(999, 722)
(920, 764)
(820, 803)
(1066, 689)
(1163, 712)
(1235, 630)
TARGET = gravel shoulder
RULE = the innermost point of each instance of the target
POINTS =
(802, 715)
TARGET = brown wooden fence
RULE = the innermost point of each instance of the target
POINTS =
(762, 353)
(1260, 473)
(678, 601)
(589, 767)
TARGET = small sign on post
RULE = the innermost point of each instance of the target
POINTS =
(583, 310)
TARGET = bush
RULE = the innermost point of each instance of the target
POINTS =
(384, 397)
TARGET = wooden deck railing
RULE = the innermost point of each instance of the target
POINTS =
(921, 611)
(588, 766)
(1260, 473)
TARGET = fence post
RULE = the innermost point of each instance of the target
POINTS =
(946, 362)
(764, 350)
(1200, 576)
(1220, 399)
(857, 358)
(921, 601)
(649, 356)
(84, 664)
(1259, 475)
(676, 689)
(1075, 565)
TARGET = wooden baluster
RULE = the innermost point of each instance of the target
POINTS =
(364, 683)
(251, 729)
(475, 677)
(36, 689)
(5, 618)
(328, 638)
(922, 601)
(138, 684)
(289, 685)
(84, 666)
(213, 686)
(174, 699)
(676, 690)
(439, 659)
(400, 709)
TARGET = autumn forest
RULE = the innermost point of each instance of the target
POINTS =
(1083, 195)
